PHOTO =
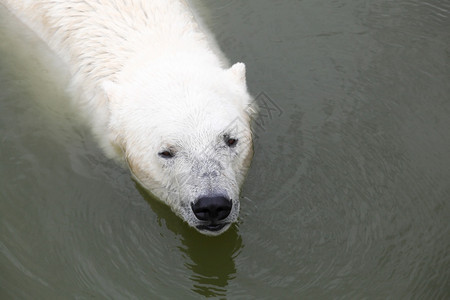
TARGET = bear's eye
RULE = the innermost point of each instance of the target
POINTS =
(230, 141)
(166, 154)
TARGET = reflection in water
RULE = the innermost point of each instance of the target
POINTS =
(210, 259)
(346, 197)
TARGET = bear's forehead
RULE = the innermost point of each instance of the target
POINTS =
(173, 86)
(214, 114)
(201, 129)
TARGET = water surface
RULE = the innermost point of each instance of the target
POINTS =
(347, 197)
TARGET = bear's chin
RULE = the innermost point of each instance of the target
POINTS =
(213, 229)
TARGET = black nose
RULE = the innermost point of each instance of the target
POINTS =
(212, 208)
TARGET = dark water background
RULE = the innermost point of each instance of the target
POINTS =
(348, 195)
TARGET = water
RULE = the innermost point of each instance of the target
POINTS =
(347, 197)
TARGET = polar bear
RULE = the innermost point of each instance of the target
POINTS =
(159, 97)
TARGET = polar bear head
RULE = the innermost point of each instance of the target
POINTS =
(184, 131)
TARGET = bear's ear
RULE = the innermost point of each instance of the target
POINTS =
(109, 88)
(113, 92)
(238, 72)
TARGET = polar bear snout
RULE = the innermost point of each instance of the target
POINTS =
(212, 209)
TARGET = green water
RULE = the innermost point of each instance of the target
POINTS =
(347, 197)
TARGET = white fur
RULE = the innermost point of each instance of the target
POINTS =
(149, 79)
